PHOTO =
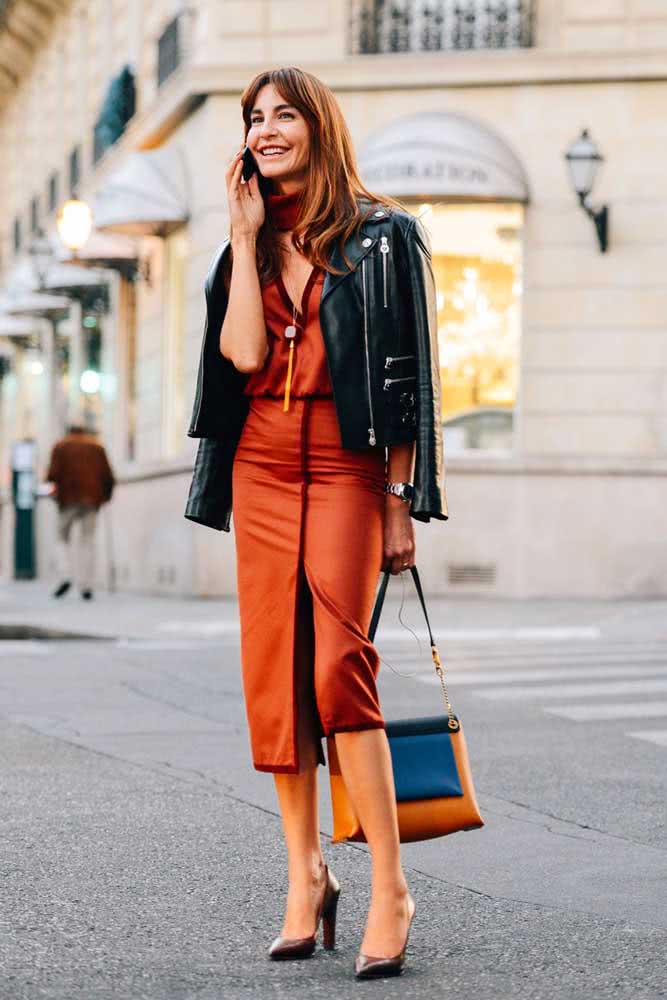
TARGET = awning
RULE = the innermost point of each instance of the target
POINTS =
(67, 277)
(36, 304)
(101, 249)
(435, 154)
(13, 326)
(58, 277)
(147, 196)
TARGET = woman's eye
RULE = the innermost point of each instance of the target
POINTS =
(258, 121)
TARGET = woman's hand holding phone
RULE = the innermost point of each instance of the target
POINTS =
(246, 205)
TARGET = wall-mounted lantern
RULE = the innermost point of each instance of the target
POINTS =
(74, 224)
(583, 159)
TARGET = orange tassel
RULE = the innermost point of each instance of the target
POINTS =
(289, 377)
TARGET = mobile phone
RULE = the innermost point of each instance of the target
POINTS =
(249, 164)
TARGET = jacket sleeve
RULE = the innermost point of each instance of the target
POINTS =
(429, 498)
(210, 497)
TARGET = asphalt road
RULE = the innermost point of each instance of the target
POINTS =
(142, 856)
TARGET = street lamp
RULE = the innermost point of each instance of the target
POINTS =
(583, 159)
(74, 223)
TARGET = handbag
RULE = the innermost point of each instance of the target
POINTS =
(432, 778)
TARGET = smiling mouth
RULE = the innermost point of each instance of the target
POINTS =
(271, 151)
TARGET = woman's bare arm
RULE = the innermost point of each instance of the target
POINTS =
(399, 534)
(243, 335)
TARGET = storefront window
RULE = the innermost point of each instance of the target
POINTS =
(477, 267)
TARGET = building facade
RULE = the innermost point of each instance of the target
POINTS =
(553, 353)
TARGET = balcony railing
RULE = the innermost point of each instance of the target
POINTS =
(440, 25)
(169, 50)
(116, 111)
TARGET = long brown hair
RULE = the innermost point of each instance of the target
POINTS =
(329, 208)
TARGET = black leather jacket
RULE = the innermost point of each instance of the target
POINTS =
(379, 326)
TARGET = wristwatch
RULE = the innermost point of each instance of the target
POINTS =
(405, 491)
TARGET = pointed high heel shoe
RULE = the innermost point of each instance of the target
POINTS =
(368, 967)
(284, 948)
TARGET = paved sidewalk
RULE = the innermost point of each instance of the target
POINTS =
(142, 856)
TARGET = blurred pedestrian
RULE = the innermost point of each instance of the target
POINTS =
(83, 480)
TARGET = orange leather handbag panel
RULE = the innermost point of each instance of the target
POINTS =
(421, 820)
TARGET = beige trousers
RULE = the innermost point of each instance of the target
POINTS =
(77, 562)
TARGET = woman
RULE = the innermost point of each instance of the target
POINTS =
(317, 396)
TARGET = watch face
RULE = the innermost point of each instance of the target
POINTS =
(408, 491)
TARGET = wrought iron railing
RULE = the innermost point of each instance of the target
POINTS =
(116, 111)
(436, 25)
(169, 50)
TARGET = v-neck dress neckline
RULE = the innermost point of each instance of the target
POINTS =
(310, 372)
(302, 310)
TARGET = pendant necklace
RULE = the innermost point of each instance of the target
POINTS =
(290, 334)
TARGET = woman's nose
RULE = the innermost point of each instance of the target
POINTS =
(267, 129)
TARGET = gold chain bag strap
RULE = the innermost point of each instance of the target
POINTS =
(433, 782)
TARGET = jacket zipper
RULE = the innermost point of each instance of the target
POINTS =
(392, 381)
(388, 362)
(384, 250)
(371, 429)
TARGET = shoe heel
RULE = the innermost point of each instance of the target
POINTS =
(329, 922)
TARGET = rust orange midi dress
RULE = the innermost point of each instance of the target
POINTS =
(308, 524)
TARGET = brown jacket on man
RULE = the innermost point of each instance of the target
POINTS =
(80, 470)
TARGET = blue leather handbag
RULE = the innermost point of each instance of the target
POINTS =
(434, 789)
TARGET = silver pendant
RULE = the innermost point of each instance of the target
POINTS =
(290, 331)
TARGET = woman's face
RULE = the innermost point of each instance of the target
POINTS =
(278, 126)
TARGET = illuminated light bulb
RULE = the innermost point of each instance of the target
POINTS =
(90, 382)
(74, 223)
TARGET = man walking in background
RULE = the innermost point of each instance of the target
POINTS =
(83, 481)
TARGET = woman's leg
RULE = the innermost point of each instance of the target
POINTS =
(297, 793)
(297, 796)
(365, 763)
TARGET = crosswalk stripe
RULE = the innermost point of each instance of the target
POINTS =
(24, 647)
(658, 736)
(546, 657)
(548, 633)
(162, 645)
(524, 691)
(462, 676)
(611, 711)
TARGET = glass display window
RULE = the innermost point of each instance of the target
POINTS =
(477, 268)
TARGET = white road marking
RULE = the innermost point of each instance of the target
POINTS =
(200, 628)
(462, 676)
(610, 711)
(24, 647)
(521, 691)
(521, 634)
(162, 645)
(658, 736)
